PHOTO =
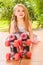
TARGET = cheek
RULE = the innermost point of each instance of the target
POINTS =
(15, 13)
(23, 14)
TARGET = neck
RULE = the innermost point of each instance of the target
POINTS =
(20, 20)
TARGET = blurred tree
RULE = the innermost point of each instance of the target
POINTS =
(35, 9)
(6, 8)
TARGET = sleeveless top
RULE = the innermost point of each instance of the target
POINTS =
(22, 29)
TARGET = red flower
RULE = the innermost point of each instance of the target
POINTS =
(23, 36)
(7, 43)
(28, 42)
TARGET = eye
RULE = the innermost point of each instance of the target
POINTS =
(18, 10)
(22, 10)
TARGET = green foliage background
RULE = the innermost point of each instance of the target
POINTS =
(35, 9)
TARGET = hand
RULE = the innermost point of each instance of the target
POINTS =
(34, 41)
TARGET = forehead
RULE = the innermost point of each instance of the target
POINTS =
(19, 8)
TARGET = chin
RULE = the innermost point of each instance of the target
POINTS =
(21, 17)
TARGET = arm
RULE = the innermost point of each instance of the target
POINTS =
(30, 31)
(12, 27)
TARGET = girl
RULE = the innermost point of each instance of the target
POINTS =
(20, 21)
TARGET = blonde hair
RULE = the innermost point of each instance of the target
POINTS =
(26, 17)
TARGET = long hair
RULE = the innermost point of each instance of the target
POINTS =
(26, 17)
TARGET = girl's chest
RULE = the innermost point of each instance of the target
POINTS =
(21, 26)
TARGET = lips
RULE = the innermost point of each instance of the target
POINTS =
(20, 15)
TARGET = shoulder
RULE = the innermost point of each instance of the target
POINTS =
(13, 22)
(30, 23)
